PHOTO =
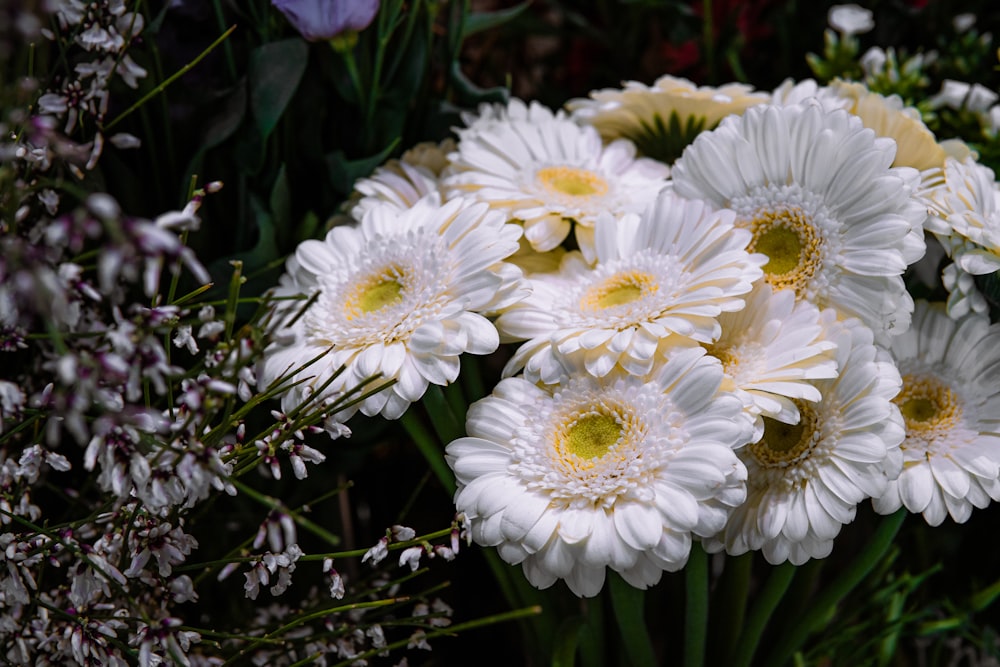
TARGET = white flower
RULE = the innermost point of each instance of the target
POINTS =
(850, 19)
(963, 295)
(963, 22)
(548, 172)
(617, 472)
(663, 277)
(411, 557)
(951, 409)
(805, 481)
(377, 553)
(400, 296)
(403, 182)
(815, 189)
(966, 204)
(887, 116)
(771, 349)
(961, 95)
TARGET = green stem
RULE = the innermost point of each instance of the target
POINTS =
(424, 441)
(767, 601)
(729, 610)
(708, 39)
(271, 503)
(176, 75)
(822, 606)
(449, 631)
(592, 643)
(305, 618)
(696, 607)
(628, 604)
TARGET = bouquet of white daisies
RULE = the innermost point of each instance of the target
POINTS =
(715, 346)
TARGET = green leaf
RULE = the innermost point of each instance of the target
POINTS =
(274, 73)
(281, 206)
(225, 123)
(344, 172)
(481, 21)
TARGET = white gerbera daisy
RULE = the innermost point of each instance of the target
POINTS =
(666, 274)
(951, 409)
(916, 145)
(964, 210)
(838, 225)
(663, 118)
(616, 472)
(548, 172)
(771, 349)
(805, 481)
(404, 182)
(400, 295)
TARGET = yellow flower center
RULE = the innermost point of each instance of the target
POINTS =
(784, 443)
(927, 405)
(791, 244)
(591, 436)
(618, 290)
(571, 181)
(728, 357)
(377, 292)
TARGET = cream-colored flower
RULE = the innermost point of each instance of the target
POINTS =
(916, 145)
(617, 472)
(663, 118)
(402, 183)
(659, 278)
(402, 296)
(804, 481)
(771, 350)
(815, 189)
(951, 409)
(548, 172)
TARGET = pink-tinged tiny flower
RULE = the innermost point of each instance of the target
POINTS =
(324, 19)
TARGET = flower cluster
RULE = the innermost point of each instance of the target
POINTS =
(711, 336)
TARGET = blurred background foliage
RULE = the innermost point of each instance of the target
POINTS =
(288, 128)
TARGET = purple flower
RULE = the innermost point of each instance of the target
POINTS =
(324, 19)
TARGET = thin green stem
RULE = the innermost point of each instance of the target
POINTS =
(823, 606)
(353, 553)
(695, 607)
(449, 631)
(765, 604)
(230, 58)
(708, 39)
(176, 75)
(305, 618)
(277, 506)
